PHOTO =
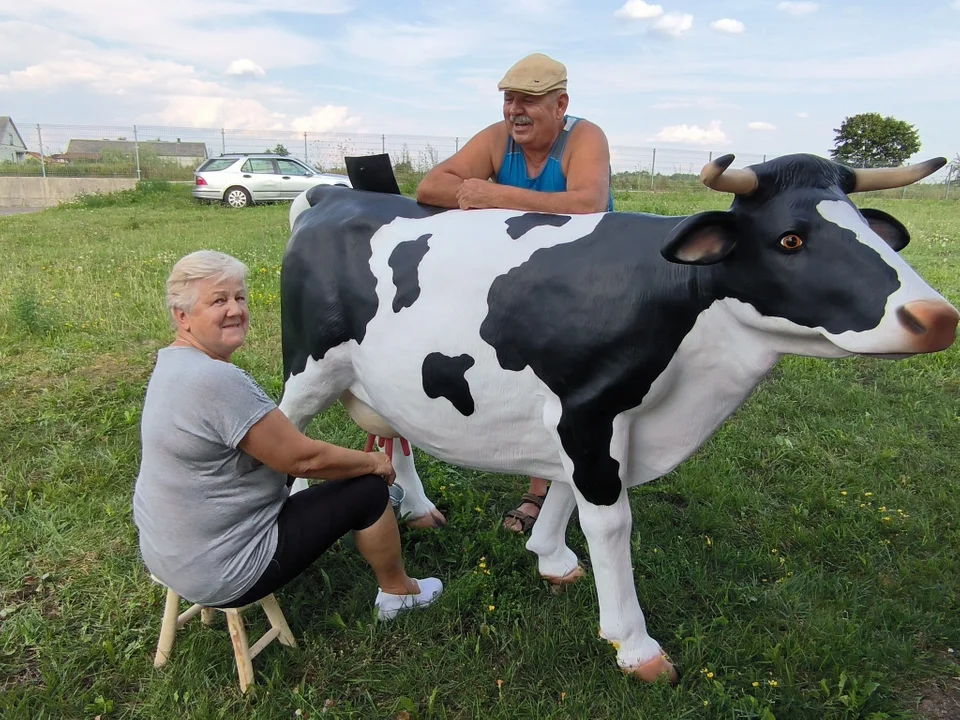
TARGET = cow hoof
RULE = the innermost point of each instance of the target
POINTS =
(431, 521)
(654, 670)
(569, 579)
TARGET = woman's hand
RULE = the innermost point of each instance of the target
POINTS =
(384, 467)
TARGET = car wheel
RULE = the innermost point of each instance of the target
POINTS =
(237, 197)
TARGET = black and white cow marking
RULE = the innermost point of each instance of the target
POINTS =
(596, 351)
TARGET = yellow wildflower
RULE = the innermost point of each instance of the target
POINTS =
(756, 684)
(491, 608)
(709, 675)
(843, 492)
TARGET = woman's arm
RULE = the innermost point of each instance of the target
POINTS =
(276, 442)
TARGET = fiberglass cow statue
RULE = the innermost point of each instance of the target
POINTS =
(596, 351)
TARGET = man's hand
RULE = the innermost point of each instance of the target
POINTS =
(476, 194)
(384, 467)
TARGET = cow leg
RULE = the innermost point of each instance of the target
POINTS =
(607, 529)
(556, 562)
(308, 394)
(416, 506)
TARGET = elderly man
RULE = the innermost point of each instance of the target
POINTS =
(540, 159)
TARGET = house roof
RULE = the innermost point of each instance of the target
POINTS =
(5, 120)
(160, 148)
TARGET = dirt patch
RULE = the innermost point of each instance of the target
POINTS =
(941, 701)
(34, 590)
(27, 676)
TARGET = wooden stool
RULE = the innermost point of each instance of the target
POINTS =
(173, 619)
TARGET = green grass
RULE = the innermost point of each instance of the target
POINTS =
(811, 547)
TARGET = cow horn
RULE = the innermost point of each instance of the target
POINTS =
(716, 176)
(887, 178)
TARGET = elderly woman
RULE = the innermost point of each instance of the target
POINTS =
(212, 505)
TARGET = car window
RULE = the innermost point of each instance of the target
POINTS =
(259, 165)
(289, 167)
(216, 164)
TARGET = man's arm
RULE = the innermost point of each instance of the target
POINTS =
(588, 181)
(474, 161)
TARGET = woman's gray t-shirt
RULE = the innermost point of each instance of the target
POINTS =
(206, 511)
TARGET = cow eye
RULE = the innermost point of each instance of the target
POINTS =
(791, 242)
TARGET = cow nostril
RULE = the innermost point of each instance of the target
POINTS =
(933, 324)
(910, 321)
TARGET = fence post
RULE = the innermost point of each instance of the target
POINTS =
(710, 159)
(136, 151)
(764, 157)
(43, 164)
(383, 143)
(653, 167)
(306, 155)
(223, 141)
(456, 141)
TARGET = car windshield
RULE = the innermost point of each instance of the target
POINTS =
(216, 164)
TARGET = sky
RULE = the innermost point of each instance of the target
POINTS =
(742, 76)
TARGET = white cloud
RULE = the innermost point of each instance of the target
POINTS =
(405, 46)
(325, 119)
(760, 125)
(728, 25)
(684, 103)
(804, 115)
(245, 67)
(798, 8)
(713, 134)
(236, 113)
(184, 30)
(639, 10)
(673, 24)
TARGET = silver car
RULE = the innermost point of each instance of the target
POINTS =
(241, 179)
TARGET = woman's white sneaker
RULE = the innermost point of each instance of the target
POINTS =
(388, 604)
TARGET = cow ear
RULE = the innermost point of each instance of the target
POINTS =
(887, 227)
(701, 239)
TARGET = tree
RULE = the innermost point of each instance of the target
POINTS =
(278, 150)
(871, 140)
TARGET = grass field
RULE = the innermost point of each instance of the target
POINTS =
(805, 564)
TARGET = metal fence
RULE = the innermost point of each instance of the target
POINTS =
(172, 153)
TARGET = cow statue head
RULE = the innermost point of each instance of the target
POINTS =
(807, 264)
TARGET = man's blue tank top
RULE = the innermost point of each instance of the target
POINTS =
(513, 169)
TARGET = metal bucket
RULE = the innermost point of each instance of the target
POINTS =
(396, 497)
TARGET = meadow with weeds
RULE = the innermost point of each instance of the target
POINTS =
(804, 564)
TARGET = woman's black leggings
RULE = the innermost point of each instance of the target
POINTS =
(313, 520)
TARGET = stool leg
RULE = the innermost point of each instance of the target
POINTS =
(208, 616)
(277, 620)
(241, 649)
(168, 629)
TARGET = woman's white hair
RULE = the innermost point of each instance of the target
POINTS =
(200, 265)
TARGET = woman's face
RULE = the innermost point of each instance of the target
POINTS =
(218, 321)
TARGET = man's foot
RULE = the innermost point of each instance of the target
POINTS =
(523, 518)
(388, 604)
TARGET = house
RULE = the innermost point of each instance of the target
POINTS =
(12, 147)
(185, 154)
